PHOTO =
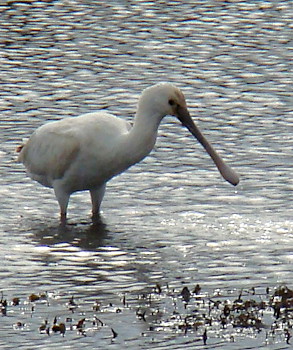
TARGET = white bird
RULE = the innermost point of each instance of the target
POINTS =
(85, 152)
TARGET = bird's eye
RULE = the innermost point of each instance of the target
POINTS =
(171, 102)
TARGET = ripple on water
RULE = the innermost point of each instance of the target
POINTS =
(171, 219)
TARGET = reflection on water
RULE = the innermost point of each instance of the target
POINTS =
(170, 219)
(84, 236)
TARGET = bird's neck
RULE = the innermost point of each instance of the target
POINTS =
(142, 136)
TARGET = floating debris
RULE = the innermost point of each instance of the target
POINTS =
(115, 334)
(246, 320)
(96, 306)
(80, 326)
(205, 337)
(43, 326)
(35, 297)
(72, 304)
(196, 314)
(3, 307)
(141, 315)
(62, 329)
(185, 293)
(285, 293)
(288, 336)
(20, 324)
(97, 321)
(226, 310)
(80, 323)
(15, 301)
(56, 328)
(158, 288)
(197, 289)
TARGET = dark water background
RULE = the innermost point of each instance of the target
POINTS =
(170, 219)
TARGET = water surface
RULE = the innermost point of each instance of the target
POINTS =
(170, 219)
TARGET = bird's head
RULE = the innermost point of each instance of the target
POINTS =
(166, 99)
(163, 99)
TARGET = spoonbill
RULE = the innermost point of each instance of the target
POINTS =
(85, 152)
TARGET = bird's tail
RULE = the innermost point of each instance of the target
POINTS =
(20, 153)
(19, 148)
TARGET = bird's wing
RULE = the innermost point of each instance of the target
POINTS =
(53, 147)
(49, 153)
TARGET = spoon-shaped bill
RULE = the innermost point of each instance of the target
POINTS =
(224, 169)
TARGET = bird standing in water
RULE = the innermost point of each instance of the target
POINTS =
(85, 152)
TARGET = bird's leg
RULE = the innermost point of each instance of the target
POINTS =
(63, 199)
(63, 218)
(97, 195)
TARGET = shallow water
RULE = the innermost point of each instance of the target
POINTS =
(170, 219)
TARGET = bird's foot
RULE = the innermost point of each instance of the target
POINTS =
(96, 217)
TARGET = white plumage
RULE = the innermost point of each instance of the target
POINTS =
(83, 153)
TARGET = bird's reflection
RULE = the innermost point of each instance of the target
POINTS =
(85, 235)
